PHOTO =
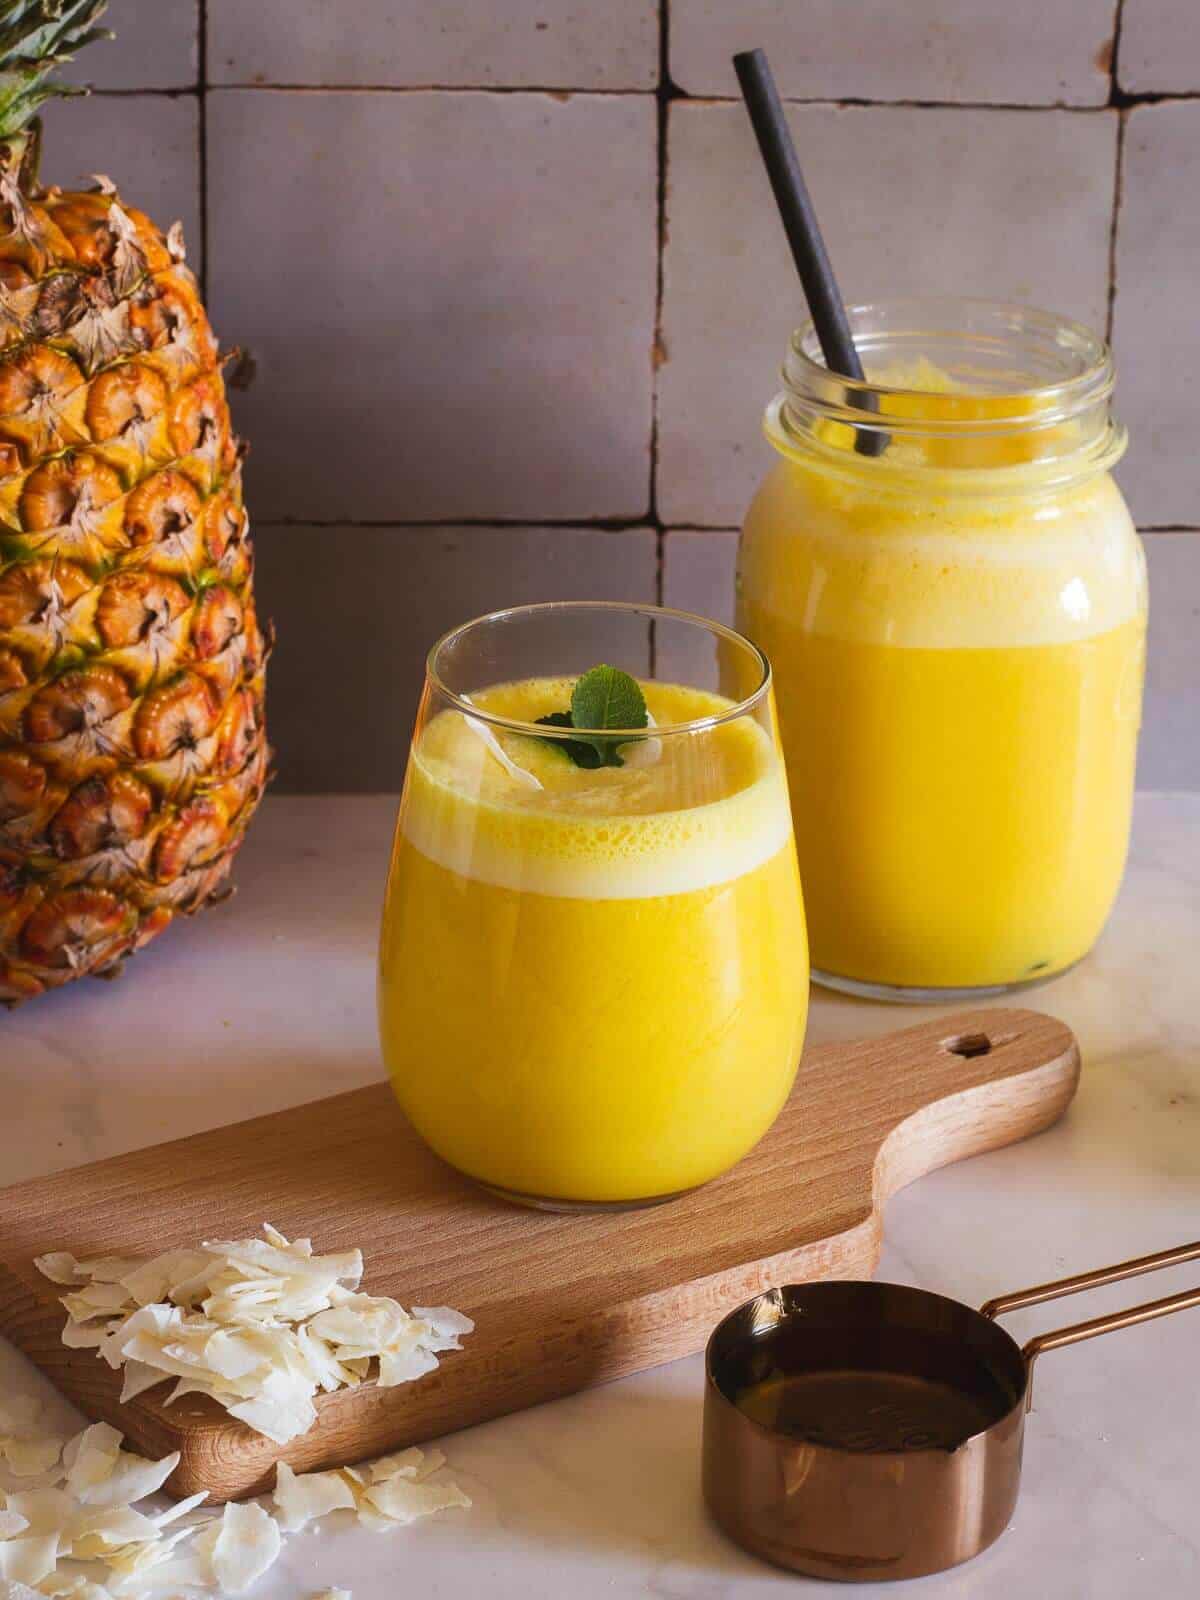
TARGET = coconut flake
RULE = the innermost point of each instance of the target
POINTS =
(404, 1366)
(148, 1281)
(363, 1322)
(405, 1501)
(10, 1589)
(283, 1260)
(29, 1558)
(414, 1464)
(94, 1531)
(138, 1378)
(59, 1266)
(84, 1335)
(247, 1542)
(93, 1459)
(403, 1464)
(96, 1300)
(181, 1508)
(483, 733)
(107, 1269)
(447, 1324)
(27, 1458)
(280, 1420)
(132, 1478)
(131, 1566)
(643, 752)
(45, 1510)
(387, 1494)
(301, 1498)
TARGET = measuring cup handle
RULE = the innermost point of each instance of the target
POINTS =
(1095, 1326)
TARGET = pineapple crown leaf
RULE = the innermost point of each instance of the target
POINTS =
(36, 38)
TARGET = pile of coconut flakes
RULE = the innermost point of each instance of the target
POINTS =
(260, 1325)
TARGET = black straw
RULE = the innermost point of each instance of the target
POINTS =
(803, 232)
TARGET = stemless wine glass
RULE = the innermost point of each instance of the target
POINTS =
(593, 979)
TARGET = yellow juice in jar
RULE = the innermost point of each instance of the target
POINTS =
(594, 990)
(959, 682)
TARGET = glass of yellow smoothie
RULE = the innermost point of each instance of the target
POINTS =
(593, 979)
(957, 625)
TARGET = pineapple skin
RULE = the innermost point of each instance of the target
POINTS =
(133, 748)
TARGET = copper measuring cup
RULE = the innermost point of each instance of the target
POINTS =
(885, 1439)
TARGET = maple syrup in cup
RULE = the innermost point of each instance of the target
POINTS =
(593, 979)
(957, 629)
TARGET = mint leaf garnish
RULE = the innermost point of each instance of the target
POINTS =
(605, 697)
(583, 755)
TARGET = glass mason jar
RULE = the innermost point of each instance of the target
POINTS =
(953, 597)
(593, 980)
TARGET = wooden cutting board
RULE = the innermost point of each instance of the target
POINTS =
(560, 1302)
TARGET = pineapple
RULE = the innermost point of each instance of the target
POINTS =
(132, 744)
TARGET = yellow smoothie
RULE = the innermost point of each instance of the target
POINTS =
(959, 677)
(593, 983)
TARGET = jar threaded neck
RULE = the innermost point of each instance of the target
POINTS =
(955, 386)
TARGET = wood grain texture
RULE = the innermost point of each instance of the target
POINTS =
(560, 1302)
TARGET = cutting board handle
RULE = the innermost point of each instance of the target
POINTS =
(994, 1076)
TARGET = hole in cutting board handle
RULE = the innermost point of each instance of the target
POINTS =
(968, 1045)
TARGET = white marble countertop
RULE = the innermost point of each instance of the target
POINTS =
(269, 1001)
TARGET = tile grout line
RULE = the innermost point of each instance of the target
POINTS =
(1114, 82)
(1125, 97)
(570, 524)
(1114, 97)
(662, 106)
(178, 91)
(566, 524)
(1114, 225)
(642, 524)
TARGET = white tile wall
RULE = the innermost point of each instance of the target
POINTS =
(1156, 325)
(1160, 46)
(490, 270)
(698, 568)
(157, 46)
(542, 44)
(448, 298)
(1020, 52)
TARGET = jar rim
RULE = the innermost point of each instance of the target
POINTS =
(1003, 370)
(972, 321)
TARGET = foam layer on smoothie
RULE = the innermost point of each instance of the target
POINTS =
(686, 811)
(906, 558)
